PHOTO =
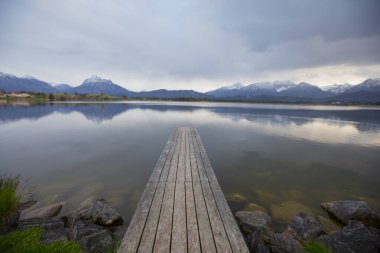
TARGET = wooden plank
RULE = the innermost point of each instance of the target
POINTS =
(164, 156)
(187, 156)
(149, 234)
(193, 160)
(181, 157)
(221, 240)
(201, 170)
(164, 229)
(179, 235)
(136, 226)
(172, 174)
(192, 224)
(166, 169)
(233, 232)
(205, 231)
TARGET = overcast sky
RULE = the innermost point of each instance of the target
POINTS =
(200, 45)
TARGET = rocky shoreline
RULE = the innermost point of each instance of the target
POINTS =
(96, 226)
(360, 232)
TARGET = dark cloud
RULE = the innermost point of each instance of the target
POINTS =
(183, 44)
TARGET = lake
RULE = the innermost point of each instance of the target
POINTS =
(282, 157)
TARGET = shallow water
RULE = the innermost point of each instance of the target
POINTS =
(282, 157)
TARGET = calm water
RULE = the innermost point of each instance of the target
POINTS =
(280, 157)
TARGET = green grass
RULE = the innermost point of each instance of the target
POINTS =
(317, 247)
(28, 241)
(9, 198)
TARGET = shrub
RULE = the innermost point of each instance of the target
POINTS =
(28, 241)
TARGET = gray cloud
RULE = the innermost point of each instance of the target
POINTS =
(188, 44)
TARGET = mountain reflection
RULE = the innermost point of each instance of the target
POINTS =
(363, 120)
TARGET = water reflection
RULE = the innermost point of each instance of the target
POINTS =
(276, 156)
(327, 124)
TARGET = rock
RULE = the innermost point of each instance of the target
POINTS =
(44, 212)
(254, 221)
(47, 223)
(328, 226)
(282, 243)
(100, 212)
(304, 227)
(345, 210)
(286, 211)
(236, 201)
(355, 237)
(254, 207)
(27, 204)
(49, 236)
(117, 232)
(91, 237)
(256, 243)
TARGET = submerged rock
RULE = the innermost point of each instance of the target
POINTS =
(304, 227)
(237, 201)
(286, 211)
(44, 212)
(345, 210)
(328, 226)
(254, 207)
(254, 221)
(91, 237)
(354, 238)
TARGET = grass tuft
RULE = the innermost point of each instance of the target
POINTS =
(317, 247)
(9, 198)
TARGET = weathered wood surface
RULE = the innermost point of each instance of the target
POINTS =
(182, 208)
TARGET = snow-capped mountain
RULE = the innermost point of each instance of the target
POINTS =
(372, 85)
(271, 89)
(11, 83)
(337, 88)
(98, 85)
(255, 89)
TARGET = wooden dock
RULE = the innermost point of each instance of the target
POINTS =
(183, 208)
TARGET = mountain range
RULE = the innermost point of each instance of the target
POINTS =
(285, 91)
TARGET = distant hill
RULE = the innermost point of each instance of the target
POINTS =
(65, 88)
(282, 91)
(167, 94)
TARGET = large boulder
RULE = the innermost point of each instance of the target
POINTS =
(53, 228)
(304, 227)
(283, 243)
(251, 222)
(49, 236)
(91, 237)
(354, 238)
(345, 210)
(99, 212)
(257, 244)
(44, 212)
